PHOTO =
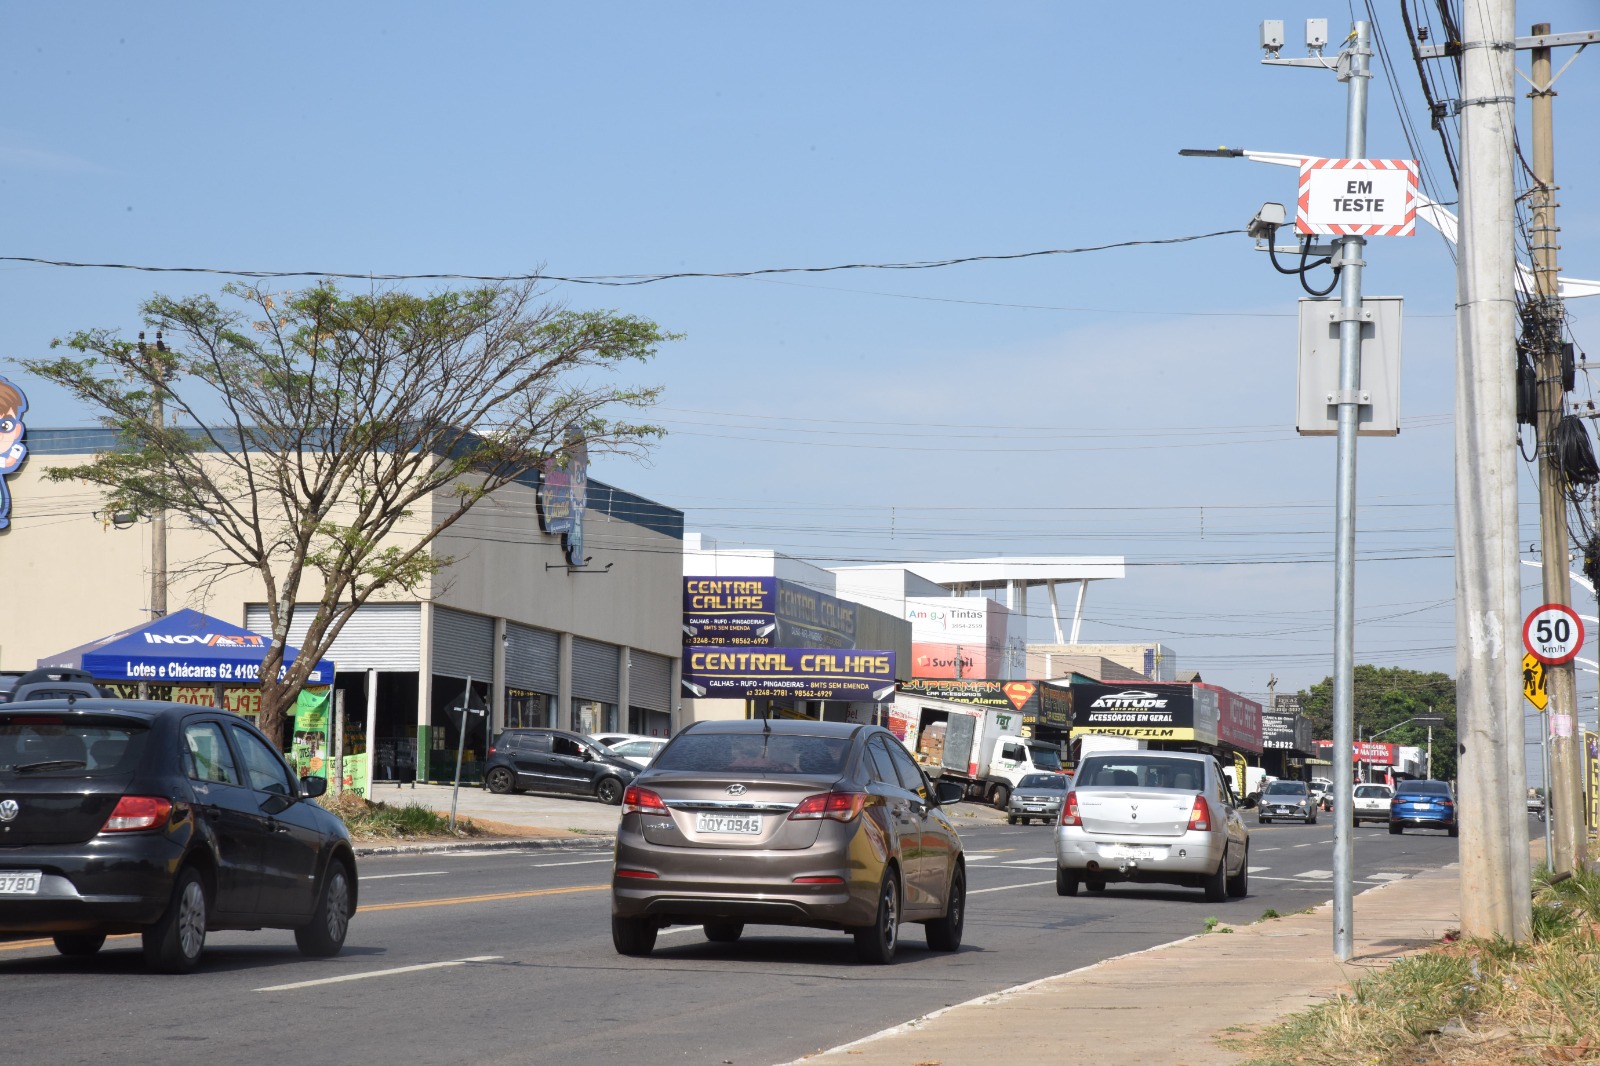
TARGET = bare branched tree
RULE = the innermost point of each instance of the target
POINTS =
(306, 428)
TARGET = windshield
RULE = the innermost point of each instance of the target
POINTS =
(45, 744)
(773, 753)
(1053, 782)
(1045, 758)
(1426, 788)
(1287, 788)
(1137, 770)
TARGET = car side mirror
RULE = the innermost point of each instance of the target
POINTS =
(949, 791)
(312, 787)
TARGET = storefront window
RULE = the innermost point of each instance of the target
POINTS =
(526, 709)
(592, 716)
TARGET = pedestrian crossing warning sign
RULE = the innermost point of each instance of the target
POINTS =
(1533, 682)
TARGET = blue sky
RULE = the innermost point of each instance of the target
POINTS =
(1135, 402)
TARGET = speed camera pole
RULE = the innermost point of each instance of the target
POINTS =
(1495, 901)
(1344, 551)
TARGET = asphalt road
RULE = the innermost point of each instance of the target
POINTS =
(505, 956)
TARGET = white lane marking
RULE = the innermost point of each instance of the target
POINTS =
(1309, 844)
(1007, 888)
(1269, 849)
(1258, 869)
(679, 929)
(577, 862)
(1390, 877)
(1316, 875)
(419, 873)
(1027, 862)
(1319, 884)
(379, 973)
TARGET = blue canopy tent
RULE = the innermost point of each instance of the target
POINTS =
(185, 647)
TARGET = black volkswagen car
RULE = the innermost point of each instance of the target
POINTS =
(163, 819)
(554, 760)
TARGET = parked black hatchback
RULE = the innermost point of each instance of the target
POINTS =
(163, 819)
(554, 760)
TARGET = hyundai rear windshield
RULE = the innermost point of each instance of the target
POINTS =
(33, 744)
(768, 753)
(1140, 771)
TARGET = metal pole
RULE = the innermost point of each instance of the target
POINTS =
(1344, 557)
(1563, 785)
(461, 744)
(1495, 901)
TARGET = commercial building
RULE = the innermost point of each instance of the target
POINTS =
(591, 645)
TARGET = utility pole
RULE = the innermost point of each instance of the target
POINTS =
(1564, 789)
(1495, 901)
(155, 365)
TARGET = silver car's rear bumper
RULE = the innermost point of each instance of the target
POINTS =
(1194, 854)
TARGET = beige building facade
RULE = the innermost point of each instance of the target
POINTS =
(594, 647)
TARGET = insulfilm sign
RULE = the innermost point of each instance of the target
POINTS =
(799, 673)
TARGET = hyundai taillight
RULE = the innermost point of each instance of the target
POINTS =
(133, 813)
(1069, 810)
(839, 806)
(642, 801)
(1200, 816)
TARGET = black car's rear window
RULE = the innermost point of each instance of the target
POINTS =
(71, 744)
(1140, 771)
(770, 753)
(1426, 788)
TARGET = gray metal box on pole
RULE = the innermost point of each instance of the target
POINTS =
(1317, 390)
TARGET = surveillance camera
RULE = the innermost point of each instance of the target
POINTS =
(1272, 35)
(1266, 221)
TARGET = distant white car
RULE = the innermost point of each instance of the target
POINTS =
(639, 750)
(1371, 804)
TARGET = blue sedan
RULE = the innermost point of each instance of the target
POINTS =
(1423, 805)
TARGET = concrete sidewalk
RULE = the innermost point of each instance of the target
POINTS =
(1172, 1004)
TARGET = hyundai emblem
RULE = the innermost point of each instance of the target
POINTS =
(733, 790)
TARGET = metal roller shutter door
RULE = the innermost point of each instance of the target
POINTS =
(463, 644)
(650, 681)
(595, 665)
(532, 658)
(379, 636)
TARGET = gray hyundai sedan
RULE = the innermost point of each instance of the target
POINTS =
(829, 825)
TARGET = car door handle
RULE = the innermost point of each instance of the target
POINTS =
(276, 826)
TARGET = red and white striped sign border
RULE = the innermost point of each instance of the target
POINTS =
(1405, 229)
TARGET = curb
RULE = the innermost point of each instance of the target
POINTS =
(515, 844)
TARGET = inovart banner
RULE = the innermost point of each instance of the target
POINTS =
(764, 612)
(794, 673)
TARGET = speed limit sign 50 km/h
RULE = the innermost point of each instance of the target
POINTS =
(1553, 634)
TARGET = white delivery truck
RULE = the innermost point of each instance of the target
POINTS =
(982, 747)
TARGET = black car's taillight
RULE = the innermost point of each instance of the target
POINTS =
(134, 814)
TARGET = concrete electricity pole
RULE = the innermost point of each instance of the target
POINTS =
(1542, 331)
(1495, 900)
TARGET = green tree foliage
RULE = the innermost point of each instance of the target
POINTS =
(1384, 697)
(333, 434)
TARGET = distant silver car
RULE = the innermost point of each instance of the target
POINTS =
(639, 750)
(1037, 796)
(1287, 799)
(1371, 804)
(823, 824)
(1166, 817)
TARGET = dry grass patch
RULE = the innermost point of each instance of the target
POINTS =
(369, 821)
(1466, 1003)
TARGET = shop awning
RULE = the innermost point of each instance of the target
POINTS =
(184, 647)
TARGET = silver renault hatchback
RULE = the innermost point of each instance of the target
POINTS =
(829, 825)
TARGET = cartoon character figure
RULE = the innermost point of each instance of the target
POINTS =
(13, 405)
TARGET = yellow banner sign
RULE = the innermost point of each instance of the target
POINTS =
(1533, 682)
